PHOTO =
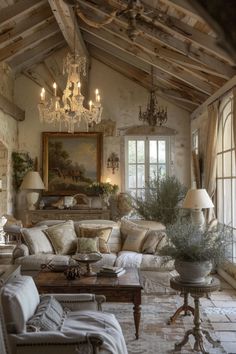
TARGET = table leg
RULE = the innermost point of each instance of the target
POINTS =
(137, 313)
(185, 307)
(197, 332)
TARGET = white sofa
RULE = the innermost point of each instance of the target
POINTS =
(148, 262)
(69, 324)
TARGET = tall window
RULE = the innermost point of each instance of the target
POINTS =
(145, 158)
(226, 172)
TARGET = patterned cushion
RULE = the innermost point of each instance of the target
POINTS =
(87, 245)
(20, 299)
(134, 240)
(63, 237)
(36, 240)
(48, 316)
(126, 226)
(152, 240)
(103, 233)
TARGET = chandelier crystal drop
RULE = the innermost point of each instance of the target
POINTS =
(154, 115)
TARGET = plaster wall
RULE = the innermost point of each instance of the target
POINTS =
(121, 99)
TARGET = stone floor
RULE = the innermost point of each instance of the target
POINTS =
(221, 311)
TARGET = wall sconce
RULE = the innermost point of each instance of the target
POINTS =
(113, 162)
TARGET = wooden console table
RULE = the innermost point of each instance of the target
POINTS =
(34, 216)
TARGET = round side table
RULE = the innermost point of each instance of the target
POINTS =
(196, 291)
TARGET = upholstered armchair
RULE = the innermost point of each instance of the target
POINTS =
(50, 324)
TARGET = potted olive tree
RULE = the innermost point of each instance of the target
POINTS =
(195, 250)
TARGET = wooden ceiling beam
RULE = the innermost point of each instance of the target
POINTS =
(36, 54)
(41, 34)
(185, 7)
(18, 9)
(138, 76)
(208, 63)
(152, 59)
(37, 17)
(65, 18)
(11, 109)
(163, 79)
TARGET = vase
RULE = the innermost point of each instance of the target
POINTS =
(193, 272)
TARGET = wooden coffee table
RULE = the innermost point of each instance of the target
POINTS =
(126, 288)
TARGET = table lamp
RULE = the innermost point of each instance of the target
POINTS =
(196, 200)
(32, 181)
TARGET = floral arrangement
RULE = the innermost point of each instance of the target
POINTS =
(102, 188)
(189, 242)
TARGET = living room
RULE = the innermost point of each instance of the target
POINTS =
(133, 49)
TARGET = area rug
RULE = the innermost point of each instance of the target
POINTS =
(156, 336)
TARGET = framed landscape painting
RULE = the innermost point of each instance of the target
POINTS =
(71, 162)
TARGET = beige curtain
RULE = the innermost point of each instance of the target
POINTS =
(234, 117)
(210, 155)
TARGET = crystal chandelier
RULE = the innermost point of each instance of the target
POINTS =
(69, 110)
(153, 115)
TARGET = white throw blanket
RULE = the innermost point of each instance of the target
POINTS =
(128, 259)
(105, 324)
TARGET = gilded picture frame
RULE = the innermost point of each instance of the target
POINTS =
(71, 161)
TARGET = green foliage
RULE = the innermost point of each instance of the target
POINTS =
(162, 201)
(102, 188)
(189, 242)
(22, 163)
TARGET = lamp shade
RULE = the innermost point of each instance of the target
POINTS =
(197, 199)
(32, 180)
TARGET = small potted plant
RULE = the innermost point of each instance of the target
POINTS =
(195, 250)
(102, 189)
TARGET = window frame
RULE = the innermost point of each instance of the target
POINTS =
(147, 139)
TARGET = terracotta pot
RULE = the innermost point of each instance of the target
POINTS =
(193, 272)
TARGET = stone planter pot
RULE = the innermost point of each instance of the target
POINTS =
(193, 272)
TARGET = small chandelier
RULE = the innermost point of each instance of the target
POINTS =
(153, 115)
(69, 110)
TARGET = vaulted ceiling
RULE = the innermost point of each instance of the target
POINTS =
(170, 37)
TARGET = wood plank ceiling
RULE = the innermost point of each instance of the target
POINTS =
(188, 65)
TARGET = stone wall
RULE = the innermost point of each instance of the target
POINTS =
(8, 142)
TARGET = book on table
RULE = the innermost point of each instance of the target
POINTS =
(118, 271)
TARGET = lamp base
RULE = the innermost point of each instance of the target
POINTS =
(32, 198)
(197, 217)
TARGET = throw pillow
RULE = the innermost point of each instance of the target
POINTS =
(63, 237)
(134, 240)
(36, 240)
(151, 241)
(126, 226)
(48, 316)
(103, 234)
(87, 245)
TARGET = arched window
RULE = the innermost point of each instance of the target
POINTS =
(226, 171)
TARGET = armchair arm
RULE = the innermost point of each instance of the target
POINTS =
(76, 302)
(48, 342)
(20, 251)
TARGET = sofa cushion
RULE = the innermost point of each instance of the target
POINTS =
(20, 299)
(114, 241)
(63, 237)
(36, 240)
(35, 261)
(103, 234)
(87, 244)
(48, 316)
(134, 240)
(126, 226)
(151, 242)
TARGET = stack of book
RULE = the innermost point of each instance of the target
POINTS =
(109, 271)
